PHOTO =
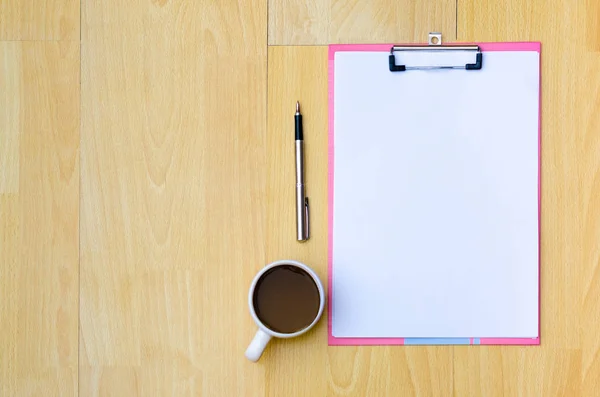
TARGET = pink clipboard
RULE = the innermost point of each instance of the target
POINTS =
(332, 340)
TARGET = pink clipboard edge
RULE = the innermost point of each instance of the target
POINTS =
(485, 47)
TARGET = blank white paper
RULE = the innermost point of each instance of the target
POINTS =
(435, 211)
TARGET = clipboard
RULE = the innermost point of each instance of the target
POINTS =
(426, 63)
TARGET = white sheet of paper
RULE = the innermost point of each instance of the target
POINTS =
(435, 221)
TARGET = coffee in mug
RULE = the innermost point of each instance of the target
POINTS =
(286, 299)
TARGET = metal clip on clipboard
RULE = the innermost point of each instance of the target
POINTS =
(435, 44)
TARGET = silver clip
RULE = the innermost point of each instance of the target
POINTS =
(434, 44)
(307, 218)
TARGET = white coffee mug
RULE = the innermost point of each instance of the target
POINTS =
(264, 334)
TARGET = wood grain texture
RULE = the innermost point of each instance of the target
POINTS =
(356, 21)
(39, 20)
(10, 117)
(187, 191)
(173, 195)
(39, 233)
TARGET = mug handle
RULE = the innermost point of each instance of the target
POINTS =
(258, 345)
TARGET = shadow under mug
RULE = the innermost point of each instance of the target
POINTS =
(264, 334)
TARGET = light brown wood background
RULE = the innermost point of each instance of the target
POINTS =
(145, 168)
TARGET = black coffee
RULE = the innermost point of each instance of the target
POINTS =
(286, 299)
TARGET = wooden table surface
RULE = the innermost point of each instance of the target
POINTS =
(145, 168)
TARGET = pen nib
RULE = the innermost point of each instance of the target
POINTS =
(297, 106)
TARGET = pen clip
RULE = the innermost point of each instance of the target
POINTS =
(306, 217)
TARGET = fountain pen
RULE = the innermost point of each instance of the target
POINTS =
(302, 221)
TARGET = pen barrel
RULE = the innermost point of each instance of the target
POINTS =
(301, 210)
(299, 162)
(301, 222)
